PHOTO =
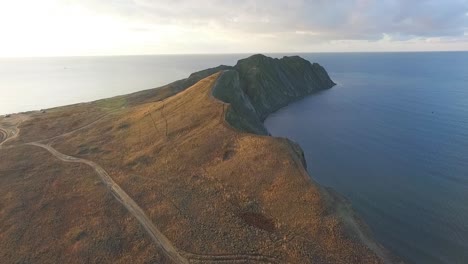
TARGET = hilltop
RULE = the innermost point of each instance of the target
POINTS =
(185, 173)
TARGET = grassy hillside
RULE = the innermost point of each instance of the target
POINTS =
(52, 212)
(216, 192)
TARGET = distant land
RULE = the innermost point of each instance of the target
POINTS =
(184, 173)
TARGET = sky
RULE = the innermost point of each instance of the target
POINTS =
(127, 27)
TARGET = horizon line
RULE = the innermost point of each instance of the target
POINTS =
(229, 53)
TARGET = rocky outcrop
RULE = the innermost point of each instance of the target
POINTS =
(240, 114)
(260, 85)
(273, 83)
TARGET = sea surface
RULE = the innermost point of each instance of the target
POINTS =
(392, 136)
(39, 83)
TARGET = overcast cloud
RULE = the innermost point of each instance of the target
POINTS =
(186, 26)
(343, 19)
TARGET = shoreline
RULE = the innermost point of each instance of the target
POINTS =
(302, 212)
(355, 224)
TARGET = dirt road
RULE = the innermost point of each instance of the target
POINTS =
(126, 201)
(3, 135)
(10, 130)
(9, 127)
(7, 135)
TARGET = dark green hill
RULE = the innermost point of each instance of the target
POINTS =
(260, 85)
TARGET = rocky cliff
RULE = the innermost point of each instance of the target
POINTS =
(273, 83)
(260, 85)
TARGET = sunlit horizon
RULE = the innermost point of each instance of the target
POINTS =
(53, 28)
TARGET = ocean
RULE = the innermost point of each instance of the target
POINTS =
(392, 136)
(38, 83)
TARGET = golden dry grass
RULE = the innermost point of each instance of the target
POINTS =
(209, 189)
(55, 212)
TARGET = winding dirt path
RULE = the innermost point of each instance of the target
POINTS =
(3, 135)
(126, 201)
(9, 127)
(7, 135)
(176, 255)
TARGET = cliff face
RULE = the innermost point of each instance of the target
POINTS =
(273, 83)
(260, 85)
(241, 114)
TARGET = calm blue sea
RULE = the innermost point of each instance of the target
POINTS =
(392, 136)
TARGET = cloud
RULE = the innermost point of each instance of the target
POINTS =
(328, 19)
(186, 26)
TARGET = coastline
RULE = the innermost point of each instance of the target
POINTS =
(243, 174)
(356, 226)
